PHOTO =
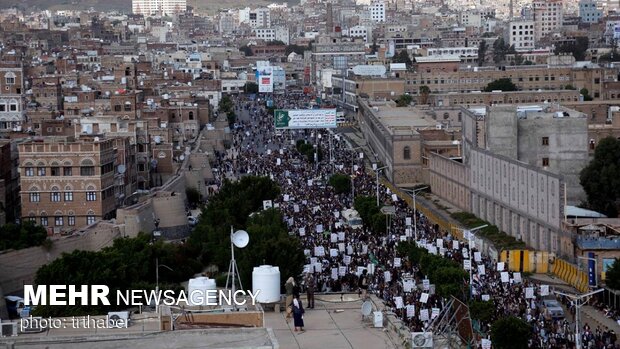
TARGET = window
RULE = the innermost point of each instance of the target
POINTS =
(191, 115)
(127, 107)
(13, 107)
(55, 196)
(545, 162)
(58, 221)
(90, 220)
(44, 221)
(545, 141)
(67, 171)
(35, 197)
(71, 220)
(407, 153)
(55, 171)
(10, 80)
(29, 172)
(2, 107)
(40, 171)
(117, 107)
(91, 196)
(68, 196)
(87, 171)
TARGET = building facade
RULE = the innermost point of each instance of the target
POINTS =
(158, 7)
(548, 17)
(11, 95)
(521, 35)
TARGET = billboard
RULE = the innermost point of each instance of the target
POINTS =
(305, 118)
(264, 79)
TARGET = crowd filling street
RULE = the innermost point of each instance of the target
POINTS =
(344, 258)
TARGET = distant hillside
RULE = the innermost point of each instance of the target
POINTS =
(125, 5)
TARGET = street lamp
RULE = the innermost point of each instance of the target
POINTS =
(413, 193)
(353, 174)
(470, 233)
(157, 265)
(374, 167)
(578, 299)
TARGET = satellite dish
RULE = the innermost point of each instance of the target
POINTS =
(240, 238)
(366, 308)
(121, 169)
(157, 139)
(182, 157)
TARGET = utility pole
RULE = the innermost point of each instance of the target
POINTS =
(374, 167)
(579, 302)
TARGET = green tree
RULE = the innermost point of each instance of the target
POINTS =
(379, 223)
(404, 100)
(612, 276)
(510, 333)
(402, 57)
(503, 84)
(18, 236)
(425, 92)
(374, 48)
(586, 94)
(250, 87)
(226, 104)
(483, 311)
(482, 52)
(341, 183)
(276, 43)
(577, 48)
(366, 206)
(601, 178)
(193, 196)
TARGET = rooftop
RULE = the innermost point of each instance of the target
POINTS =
(401, 120)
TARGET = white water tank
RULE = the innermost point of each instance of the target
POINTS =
(200, 284)
(266, 281)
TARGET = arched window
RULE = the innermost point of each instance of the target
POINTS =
(407, 153)
(191, 115)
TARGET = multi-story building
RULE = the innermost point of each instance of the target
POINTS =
(158, 7)
(589, 11)
(278, 33)
(67, 183)
(548, 17)
(328, 49)
(9, 182)
(11, 95)
(227, 23)
(521, 35)
(377, 11)
(260, 18)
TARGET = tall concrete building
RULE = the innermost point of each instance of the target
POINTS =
(260, 18)
(521, 34)
(377, 11)
(158, 7)
(548, 17)
(589, 11)
(11, 95)
(67, 183)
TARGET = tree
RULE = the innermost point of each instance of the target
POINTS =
(366, 206)
(483, 311)
(404, 100)
(341, 183)
(612, 276)
(246, 50)
(482, 52)
(276, 43)
(374, 48)
(425, 92)
(193, 196)
(510, 333)
(500, 49)
(295, 48)
(601, 178)
(586, 94)
(250, 87)
(18, 236)
(577, 48)
(503, 84)
(402, 57)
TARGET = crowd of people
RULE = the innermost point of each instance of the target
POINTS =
(343, 259)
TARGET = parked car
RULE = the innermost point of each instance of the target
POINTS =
(554, 308)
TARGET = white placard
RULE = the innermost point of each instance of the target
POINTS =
(481, 270)
(341, 236)
(424, 298)
(349, 249)
(334, 273)
(281, 151)
(544, 290)
(341, 247)
(440, 243)
(267, 204)
(433, 250)
(313, 260)
(333, 237)
(455, 244)
(465, 252)
(434, 313)
(309, 182)
(342, 271)
(319, 228)
(529, 292)
(336, 214)
(408, 221)
(361, 155)
(307, 252)
(517, 277)
(500, 266)
(408, 285)
(486, 297)
(360, 270)
(394, 197)
(319, 251)
(318, 267)
(302, 231)
(396, 262)
(276, 205)
(347, 259)
(403, 238)
(505, 277)
(387, 276)
(410, 310)
(364, 249)
(296, 208)
(466, 264)
(278, 161)
(398, 301)
(423, 314)
(333, 252)
(307, 268)
(442, 251)
(426, 284)
(478, 256)
(268, 151)
(355, 168)
(286, 197)
(486, 343)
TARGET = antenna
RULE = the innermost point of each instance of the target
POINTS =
(240, 238)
